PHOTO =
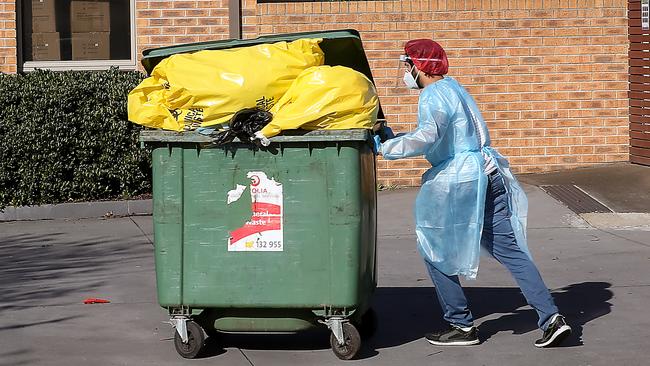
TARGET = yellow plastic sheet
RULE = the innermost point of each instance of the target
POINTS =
(208, 87)
(326, 98)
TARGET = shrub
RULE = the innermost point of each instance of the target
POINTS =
(64, 136)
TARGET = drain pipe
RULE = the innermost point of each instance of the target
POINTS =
(234, 19)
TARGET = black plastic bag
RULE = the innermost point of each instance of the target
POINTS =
(243, 126)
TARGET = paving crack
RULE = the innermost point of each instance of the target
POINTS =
(624, 238)
(630, 286)
(141, 230)
(246, 357)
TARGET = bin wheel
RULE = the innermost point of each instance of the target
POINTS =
(367, 325)
(195, 339)
(352, 344)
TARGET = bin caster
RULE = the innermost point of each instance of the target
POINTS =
(188, 337)
(347, 343)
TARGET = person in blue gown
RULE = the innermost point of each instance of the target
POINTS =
(469, 199)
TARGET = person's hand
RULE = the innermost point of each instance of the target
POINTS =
(376, 144)
(387, 133)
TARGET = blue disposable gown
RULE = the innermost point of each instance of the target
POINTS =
(449, 207)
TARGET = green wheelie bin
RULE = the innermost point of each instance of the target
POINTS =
(274, 239)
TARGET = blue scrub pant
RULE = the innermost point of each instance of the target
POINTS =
(498, 239)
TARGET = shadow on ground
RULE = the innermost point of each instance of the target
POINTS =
(38, 270)
(407, 313)
(18, 358)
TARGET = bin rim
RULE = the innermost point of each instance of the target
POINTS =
(293, 136)
(151, 56)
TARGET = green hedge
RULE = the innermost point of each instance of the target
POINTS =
(64, 136)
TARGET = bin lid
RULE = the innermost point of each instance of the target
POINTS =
(158, 136)
(341, 48)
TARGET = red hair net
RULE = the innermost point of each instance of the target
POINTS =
(428, 56)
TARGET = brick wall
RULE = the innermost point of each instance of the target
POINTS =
(7, 36)
(549, 75)
(164, 23)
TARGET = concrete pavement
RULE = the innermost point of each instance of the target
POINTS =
(623, 187)
(600, 280)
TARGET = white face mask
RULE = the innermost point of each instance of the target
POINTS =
(410, 81)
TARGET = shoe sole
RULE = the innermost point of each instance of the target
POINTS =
(557, 337)
(455, 343)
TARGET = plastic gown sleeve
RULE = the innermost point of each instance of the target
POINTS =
(432, 124)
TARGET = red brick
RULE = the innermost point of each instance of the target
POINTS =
(172, 13)
(148, 14)
(148, 31)
(185, 21)
(384, 173)
(159, 22)
(157, 4)
(209, 21)
(532, 133)
(161, 40)
(197, 12)
(399, 164)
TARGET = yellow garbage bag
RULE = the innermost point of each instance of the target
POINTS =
(208, 87)
(327, 98)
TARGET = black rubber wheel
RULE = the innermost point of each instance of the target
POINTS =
(368, 324)
(195, 341)
(352, 344)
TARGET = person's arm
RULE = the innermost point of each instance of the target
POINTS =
(432, 126)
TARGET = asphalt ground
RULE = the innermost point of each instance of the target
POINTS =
(600, 279)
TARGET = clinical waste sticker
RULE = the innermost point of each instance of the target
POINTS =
(263, 232)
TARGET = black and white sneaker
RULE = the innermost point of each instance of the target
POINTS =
(454, 336)
(555, 334)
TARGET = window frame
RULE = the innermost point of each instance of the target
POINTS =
(84, 65)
